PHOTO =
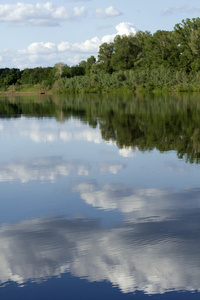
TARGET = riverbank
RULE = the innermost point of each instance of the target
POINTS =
(24, 93)
(129, 81)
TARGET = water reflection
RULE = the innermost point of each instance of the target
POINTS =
(48, 131)
(131, 212)
(164, 122)
(51, 168)
(151, 257)
(43, 168)
(139, 203)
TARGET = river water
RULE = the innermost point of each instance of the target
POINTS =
(100, 197)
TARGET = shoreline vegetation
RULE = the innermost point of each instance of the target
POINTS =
(144, 62)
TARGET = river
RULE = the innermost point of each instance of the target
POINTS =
(100, 197)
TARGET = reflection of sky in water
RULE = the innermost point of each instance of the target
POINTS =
(131, 218)
(152, 257)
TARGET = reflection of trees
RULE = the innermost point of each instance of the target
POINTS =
(161, 122)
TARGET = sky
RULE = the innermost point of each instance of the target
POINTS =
(42, 33)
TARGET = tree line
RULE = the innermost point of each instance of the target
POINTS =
(165, 59)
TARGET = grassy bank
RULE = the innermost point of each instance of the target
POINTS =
(146, 80)
(129, 81)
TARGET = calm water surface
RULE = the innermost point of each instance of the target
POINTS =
(100, 198)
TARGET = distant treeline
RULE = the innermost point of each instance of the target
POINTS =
(164, 60)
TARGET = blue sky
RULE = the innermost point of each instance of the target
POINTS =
(42, 33)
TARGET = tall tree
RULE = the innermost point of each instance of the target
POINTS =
(141, 38)
(125, 53)
(188, 37)
(162, 49)
(90, 61)
(105, 56)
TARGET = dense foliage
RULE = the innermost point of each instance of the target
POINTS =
(165, 59)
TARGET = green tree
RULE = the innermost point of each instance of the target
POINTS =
(82, 65)
(141, 39)
(161, 49)
(38, 75)
(188, 38)
(125, 53)
(104, 57)
(66, 71)
(90, 61)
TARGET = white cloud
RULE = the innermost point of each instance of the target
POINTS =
(41, 48)
(126, 28)
(40, 53)
(107, 12)
(108, 38)
(123, 28)
(48, 54)
(89, 46)
(39, 14)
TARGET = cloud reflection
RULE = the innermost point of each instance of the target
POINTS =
(151, 257)
(128, 152)
(50, 131)
(112, 168)
(45, 168)
(139, 203)
(50, 168)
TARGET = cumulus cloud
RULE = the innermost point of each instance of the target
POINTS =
(39, 14)
(48, 53)
(51, 53)
(125, 28)
(107, 12)
(145, 257)
(41, 47)
(89, 46)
